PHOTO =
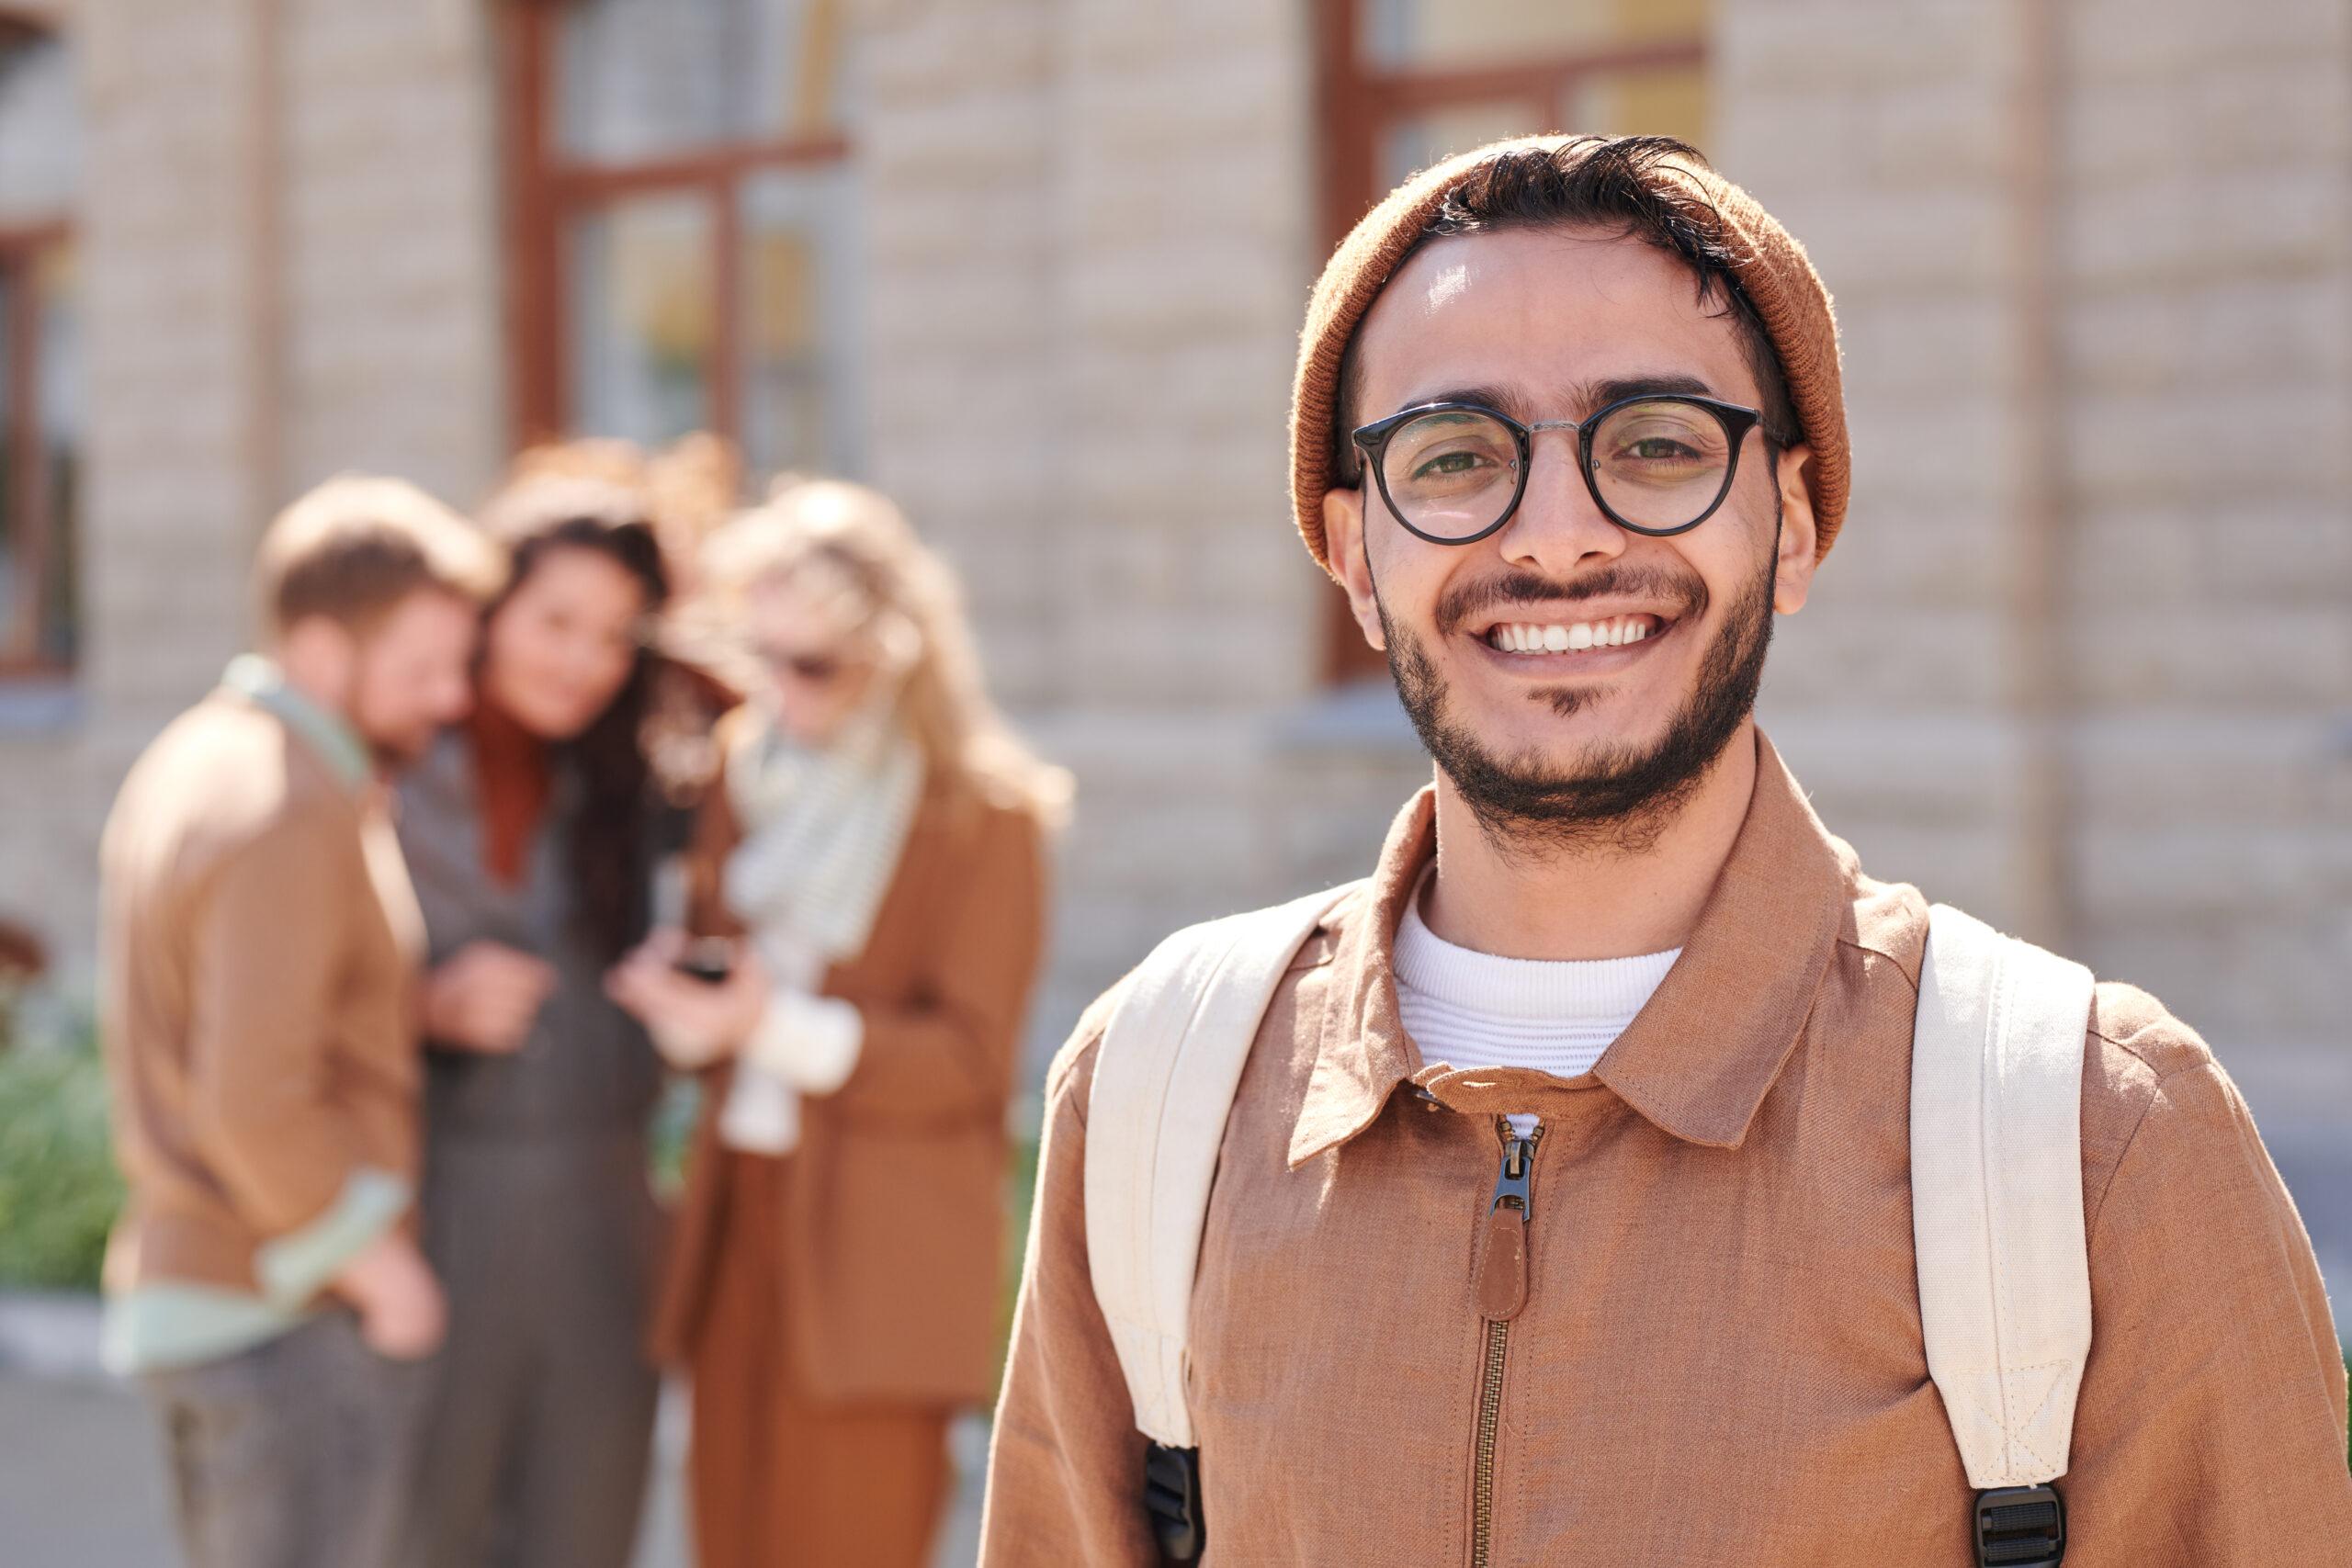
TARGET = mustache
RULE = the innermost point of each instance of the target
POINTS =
(1686, 591)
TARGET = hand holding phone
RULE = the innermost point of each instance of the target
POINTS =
(698, 1014)
(710, 959)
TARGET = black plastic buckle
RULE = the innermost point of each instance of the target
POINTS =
(2020, 1527)
(1171, 1496)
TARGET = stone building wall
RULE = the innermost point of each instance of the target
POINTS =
(2197, 255)
(287, 254)
(1089, 227)
(2208, 352)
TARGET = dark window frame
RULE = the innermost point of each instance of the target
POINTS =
(36, 532)
(548, 188)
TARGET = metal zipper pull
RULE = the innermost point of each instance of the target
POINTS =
(1502, 1260)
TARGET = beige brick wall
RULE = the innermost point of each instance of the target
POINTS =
(1088, 230)
(387, 352)
(2208, 249)
(1090, 233)
(2203, 249)
(166, 501)
(394, 360)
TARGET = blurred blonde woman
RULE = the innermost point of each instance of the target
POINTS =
(867, 910)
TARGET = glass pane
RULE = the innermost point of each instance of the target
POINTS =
(801, 394)
(1444, 34)
(1416, 143)
(1668, 102)
(60, 377)
(642, 317)
(39, 145)
(642, 78)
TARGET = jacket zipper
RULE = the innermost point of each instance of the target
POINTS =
(1501, 1292)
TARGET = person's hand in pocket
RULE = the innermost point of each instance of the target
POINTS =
(403, 1314)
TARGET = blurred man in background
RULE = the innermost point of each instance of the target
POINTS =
(261, 942)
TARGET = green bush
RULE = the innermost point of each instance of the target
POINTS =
(672, 1135)
(59, 1188)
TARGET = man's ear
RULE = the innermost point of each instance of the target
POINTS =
(1343, 548)
(1792, 572)
(320, 656)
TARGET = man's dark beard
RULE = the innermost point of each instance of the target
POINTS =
(1625, 798)
(397, 755)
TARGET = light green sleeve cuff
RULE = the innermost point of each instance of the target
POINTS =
(293, 1267)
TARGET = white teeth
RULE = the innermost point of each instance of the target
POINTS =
(1526, 637)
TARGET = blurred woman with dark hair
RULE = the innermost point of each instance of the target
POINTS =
(529, 834)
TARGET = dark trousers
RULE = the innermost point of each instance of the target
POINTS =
(291, 1454)
(538, 1431)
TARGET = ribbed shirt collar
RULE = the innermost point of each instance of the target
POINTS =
(1562, 992)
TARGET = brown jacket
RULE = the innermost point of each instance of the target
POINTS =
(1719, 1363)
(894, 1248)
(260, 941)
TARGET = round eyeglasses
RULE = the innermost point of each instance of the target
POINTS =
(1657, 463)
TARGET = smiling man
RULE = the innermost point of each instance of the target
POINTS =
(1563, 1212)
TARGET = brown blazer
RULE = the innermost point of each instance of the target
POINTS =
(1718, 1357)
(894, 1245)
(260, 939)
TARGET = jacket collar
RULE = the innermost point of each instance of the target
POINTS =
(260, 681)
(1696, 1061)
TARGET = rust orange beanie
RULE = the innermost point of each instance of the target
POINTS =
(1770, 268)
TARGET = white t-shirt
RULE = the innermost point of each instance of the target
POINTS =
(1474, 1010)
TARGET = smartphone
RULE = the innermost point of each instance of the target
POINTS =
(710, 959)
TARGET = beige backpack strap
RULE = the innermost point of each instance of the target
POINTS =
(1164, 1078)
(1997, 1195)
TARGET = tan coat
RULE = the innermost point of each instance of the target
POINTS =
(1719, 1362)
(893, 1251)
(260, 941)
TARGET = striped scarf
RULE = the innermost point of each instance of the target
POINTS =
(823, 829)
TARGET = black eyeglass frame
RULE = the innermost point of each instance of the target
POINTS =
(1372, 440)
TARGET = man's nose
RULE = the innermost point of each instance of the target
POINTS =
(1558, 526)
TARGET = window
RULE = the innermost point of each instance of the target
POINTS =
(684, 224)
(1408, 82)
(41, 363)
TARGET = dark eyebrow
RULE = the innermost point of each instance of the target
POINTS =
(1600, 394)
(1583, 399)
(1501, 399)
